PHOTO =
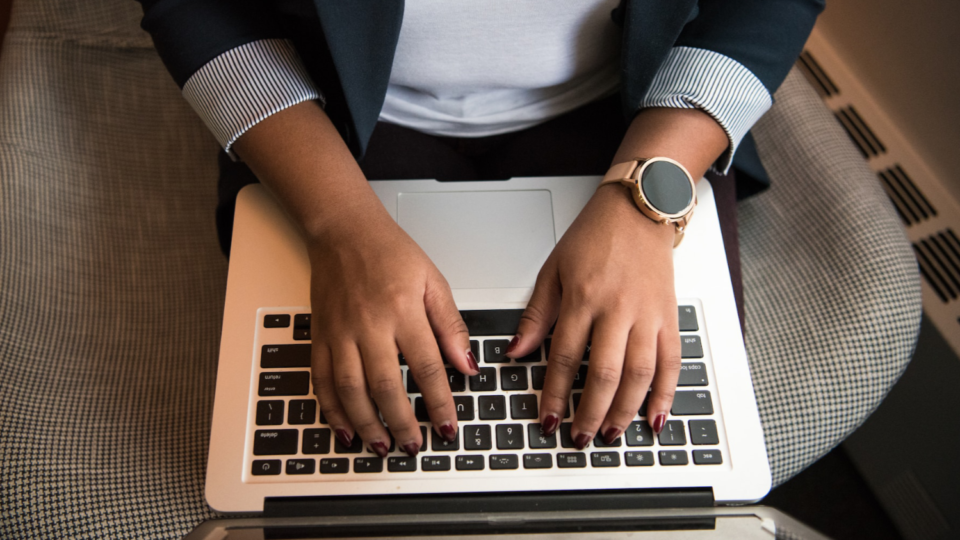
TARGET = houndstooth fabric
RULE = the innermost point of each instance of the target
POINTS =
(111, 282)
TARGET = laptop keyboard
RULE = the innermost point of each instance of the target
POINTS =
(497, 411)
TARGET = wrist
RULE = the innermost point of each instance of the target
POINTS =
(615, 203)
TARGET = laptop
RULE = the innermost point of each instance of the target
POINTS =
(272, 452)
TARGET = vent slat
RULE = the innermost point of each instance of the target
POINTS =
(903, 177)
(932, 279)
(952, 251)
(909, 198)
(875, 141)
(907, 213)
(855, 136)
(950, 272)
(814, 77)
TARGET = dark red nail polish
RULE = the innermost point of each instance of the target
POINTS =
(611, 435)
(380, 449)
(549, 426)
(513, 344)
(344, 438)
(658, 423)
(448, 433)
(582, 441)
(472, 361)
(412, 449)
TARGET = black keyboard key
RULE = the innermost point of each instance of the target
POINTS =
(469, 463)
(285, 383)
(538, 374)
(504, 461)
(301, 321)
(571, 460)
(524, 407)
(494, 351)
(688, 319)
(638, 459)
(302, 411)
(693, 374)
(301, 466)
(605, 459)
(270, 413)
(691, 402)
(412, 387)
(401, 464)
(532, 357)
(464, 406)
(435, 463)
(704, 432)
(486, 381)
(707, 457)
(301, 334)
(639, 434)
(420, 410)
(457, 380)
(401, 359)
(510, 437)
(334, 466)
(475, 349)
(537, 461)
(673, 457)
(580, 378)
(492, 322)
(492, 407)
(690, 347)
(423, 438)
(265, 467)
(566, 441)
(643, 406)
(599, 443)
(275, 442)
(673, 434)
(477, 437)
(284, 356)
(576, 401)
(356, 446)
(538, 439)
(367, 464)
(276, 321)
(513, 378)
(316, 441)
(442, 445)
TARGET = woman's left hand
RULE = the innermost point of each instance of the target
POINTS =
(608, 283)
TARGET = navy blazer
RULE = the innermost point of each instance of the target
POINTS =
(348, 46)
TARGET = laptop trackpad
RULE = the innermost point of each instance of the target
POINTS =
(482, 239)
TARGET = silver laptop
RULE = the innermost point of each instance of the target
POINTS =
(271, 450)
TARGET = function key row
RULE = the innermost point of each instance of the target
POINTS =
(565, 460)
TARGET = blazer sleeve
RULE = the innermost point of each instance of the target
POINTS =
(231, 60)
(730, 59)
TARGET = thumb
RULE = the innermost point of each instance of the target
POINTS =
(451, 332)
(540, 314)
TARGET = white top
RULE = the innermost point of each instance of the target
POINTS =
(485, 67)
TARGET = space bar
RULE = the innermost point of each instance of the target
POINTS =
(492, 322)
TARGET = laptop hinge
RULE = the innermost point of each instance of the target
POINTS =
(534, 501)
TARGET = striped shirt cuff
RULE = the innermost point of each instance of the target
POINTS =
(720, 86)
(243, 86)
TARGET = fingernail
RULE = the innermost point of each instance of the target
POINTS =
(659, 422)
(550, 423)
(379, 449)
(582, 441)
(344, 438)
(448, 433)
(412, 449)
(513, 344)
(472, 361)
(611, 435)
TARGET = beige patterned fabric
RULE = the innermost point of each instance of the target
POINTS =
(111, 282)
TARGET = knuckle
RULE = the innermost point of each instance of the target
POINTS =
(349, 385)
(604, 375)
(671, 360)
(666, 395)
(638, 372)
(384, 387)
(430, 373)
(534, 314)
(563, 361)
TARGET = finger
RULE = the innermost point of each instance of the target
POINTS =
(351, 387)
(540, 314)
(423, 358)
(665, 380)
(448, 327)
(607, 348)
(386, 388)
(566, 353)
(639, 366)
(321, 368)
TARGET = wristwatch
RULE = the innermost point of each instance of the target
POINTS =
(662, 189)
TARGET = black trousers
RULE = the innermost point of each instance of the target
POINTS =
(582, 142)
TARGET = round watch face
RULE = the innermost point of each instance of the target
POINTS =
(666, 187)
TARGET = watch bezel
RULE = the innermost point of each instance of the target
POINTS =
(644, 204)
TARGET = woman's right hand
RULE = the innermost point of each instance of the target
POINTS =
(374, 292)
